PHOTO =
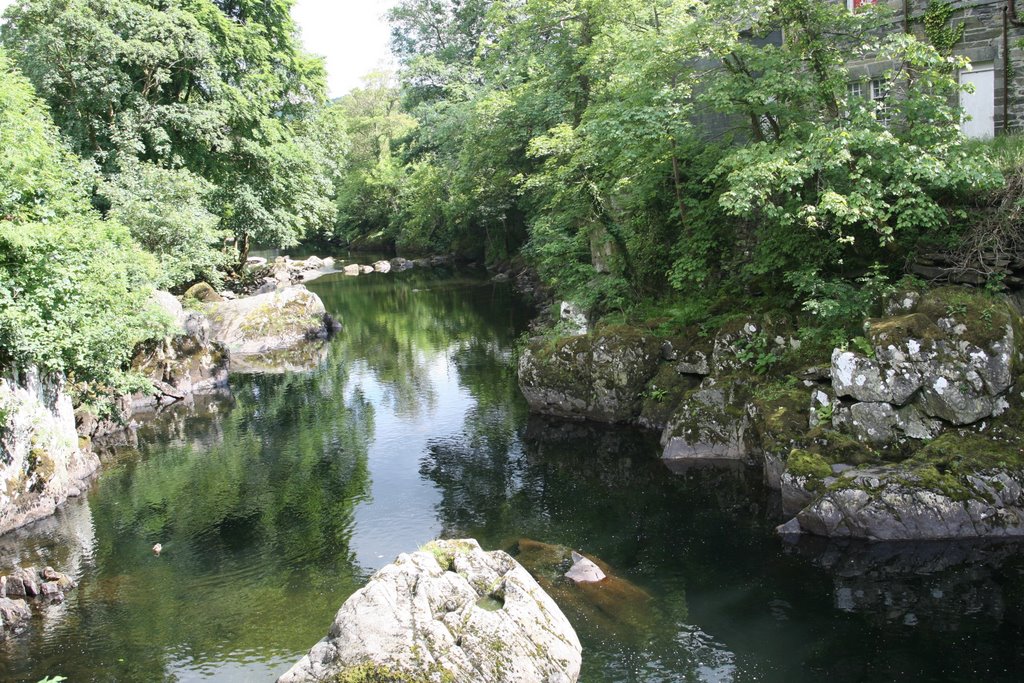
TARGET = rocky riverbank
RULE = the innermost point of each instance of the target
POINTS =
(913, 432)
(47, 446)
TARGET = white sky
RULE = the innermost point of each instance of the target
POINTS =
(351, 34)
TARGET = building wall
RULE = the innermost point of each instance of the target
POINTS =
(982, 42)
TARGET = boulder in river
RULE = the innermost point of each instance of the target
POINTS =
(13, 613)
(599, 376)
(584, 570)
(449, 612)
(204, 292)
(353, 269)
(382, 266)
(184, 363)
(266, 322)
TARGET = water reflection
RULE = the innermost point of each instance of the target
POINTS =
(941, 584)
(277, 501)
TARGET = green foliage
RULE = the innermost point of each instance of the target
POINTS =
(838, 306)
(758, 351)
(220, 89)
(942, 36)
(74, 289)
(570, 126)
(165, 210)
(849, 172)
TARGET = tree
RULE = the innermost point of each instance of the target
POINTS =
(74, 289)
(216, 88)
(166, 212)
(827, 179)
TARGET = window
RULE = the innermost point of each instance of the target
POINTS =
(854, 91)
(879, 94)
(854, 5)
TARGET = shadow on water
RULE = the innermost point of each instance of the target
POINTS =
(277, 501)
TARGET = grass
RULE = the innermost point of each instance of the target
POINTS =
(1007, 151)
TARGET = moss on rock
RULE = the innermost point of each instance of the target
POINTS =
(803, 463)
(375, 673)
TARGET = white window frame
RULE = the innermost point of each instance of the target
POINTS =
(879, 94)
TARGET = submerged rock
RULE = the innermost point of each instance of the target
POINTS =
(613, 603)
(584, 570)
(266, 322)
(449, 612)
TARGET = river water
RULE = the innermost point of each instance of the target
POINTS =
(275, 502)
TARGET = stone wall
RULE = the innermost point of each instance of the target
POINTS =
(982, 42)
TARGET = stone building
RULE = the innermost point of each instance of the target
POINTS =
(992, 32)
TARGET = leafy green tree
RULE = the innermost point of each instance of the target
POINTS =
(165, 210)
(73, 287)
(213, 87)
(825, 178)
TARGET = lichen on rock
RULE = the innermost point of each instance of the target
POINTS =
(270, 321)
(420, 618)
(601, 376)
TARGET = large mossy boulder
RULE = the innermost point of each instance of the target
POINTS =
(186, 362)
(204, 292)
(450, 612)
(267, 322)
(964, 484)
(712, 422)
(600, 376)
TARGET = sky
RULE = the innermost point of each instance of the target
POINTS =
(351, 34)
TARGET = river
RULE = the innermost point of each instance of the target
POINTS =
(276, 501)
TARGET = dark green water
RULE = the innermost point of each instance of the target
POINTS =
(275, 503)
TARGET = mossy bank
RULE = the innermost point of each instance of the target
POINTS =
(911, 431)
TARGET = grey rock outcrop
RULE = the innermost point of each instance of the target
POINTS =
(268, 322)
(184, 363)
(938, 361)
(712, 422)
(894, 503)
(42, 464)
(600, 376)
(574, 318)
(450, 612)
(13, 613)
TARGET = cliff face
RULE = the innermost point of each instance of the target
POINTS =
(41, 464)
